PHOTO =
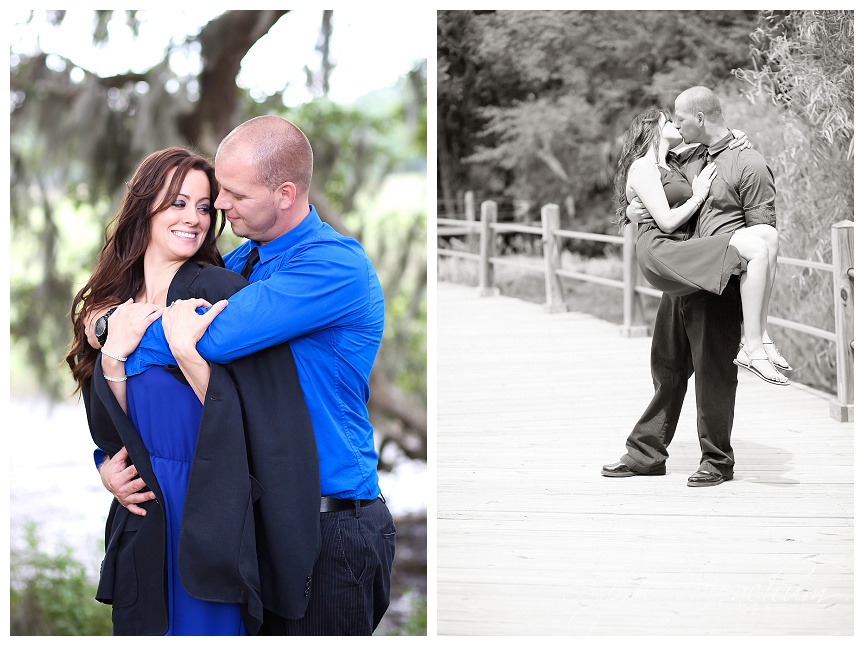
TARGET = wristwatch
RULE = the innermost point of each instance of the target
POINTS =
(100, 327)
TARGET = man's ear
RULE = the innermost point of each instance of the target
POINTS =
(700, 117)
(287, 194)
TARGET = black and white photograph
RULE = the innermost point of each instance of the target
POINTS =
(645, 292)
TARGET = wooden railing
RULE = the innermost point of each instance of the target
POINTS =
(552, 234)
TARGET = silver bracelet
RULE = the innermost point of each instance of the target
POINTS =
(114, 379)
(113, 356)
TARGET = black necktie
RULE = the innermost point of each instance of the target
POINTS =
(250, 263)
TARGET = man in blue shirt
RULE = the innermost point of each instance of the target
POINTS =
(317, 289)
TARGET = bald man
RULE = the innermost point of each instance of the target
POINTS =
(318, 290)
(699, 333)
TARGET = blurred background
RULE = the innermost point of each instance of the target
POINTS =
(533, 105)
(92, 93)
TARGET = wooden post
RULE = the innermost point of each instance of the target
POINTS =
(488, 215)
(550, 217)
(470, 216)
(842, 243)
(633, 322)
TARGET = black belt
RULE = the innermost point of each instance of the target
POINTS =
(341, 504)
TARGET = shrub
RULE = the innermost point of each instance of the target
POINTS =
(51, 594)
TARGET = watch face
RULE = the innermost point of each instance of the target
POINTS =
(100, 329)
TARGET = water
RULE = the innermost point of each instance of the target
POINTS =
(53, 479)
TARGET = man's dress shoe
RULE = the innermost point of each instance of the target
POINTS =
(707, 479)
(621, 470)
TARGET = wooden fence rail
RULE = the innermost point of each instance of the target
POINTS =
(551, 234)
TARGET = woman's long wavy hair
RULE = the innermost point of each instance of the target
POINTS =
(119, 273)
(644, 132)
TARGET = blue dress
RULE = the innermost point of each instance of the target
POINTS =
(167, 415)
(676, 263)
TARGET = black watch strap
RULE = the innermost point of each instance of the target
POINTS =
(100, 328)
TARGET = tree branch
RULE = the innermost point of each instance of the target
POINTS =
(224, 42)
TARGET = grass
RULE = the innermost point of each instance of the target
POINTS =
(603, 302)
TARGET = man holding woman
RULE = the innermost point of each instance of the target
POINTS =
(697, 330)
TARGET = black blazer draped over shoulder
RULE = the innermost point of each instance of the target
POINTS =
(250, 529)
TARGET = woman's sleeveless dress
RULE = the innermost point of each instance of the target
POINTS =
(167, 415)
(677, 264)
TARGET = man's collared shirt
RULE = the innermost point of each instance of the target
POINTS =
(318, 290)
(741, 195)
(690, 159)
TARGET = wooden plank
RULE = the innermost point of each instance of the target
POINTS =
(531, 540)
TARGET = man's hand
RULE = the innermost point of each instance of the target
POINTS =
(124, 483)
(636, 212)
(184, 327)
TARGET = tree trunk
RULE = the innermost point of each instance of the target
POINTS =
(224, 42)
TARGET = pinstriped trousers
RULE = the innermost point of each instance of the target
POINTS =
(350, 588)
(698, 333)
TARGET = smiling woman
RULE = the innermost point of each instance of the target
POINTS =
(165, 231)
(138, 233)
(177, 232)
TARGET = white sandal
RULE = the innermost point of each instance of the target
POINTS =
(748, 365)
(776, 358)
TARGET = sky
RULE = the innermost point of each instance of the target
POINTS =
(366, 55)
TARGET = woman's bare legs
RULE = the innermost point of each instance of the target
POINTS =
(772, 239)
(756, 285)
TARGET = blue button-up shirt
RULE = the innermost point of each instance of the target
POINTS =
(316, 288)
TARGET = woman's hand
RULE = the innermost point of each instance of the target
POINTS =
(127, 325)
(702, 182)
(184, 327)
(740, 140)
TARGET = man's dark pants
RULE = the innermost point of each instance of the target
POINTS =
(350, 588)
(698, 333)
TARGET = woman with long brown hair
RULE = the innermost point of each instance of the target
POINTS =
(163, 237)
(678, 264)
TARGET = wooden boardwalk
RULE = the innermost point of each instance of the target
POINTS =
(531, 540)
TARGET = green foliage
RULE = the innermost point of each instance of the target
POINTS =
(353, 150)
(397, 244)
(51, 594)
(799, 114)
(531, 140)
(807, 66)
(530, 103)
(415, 624)
(77, 137)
